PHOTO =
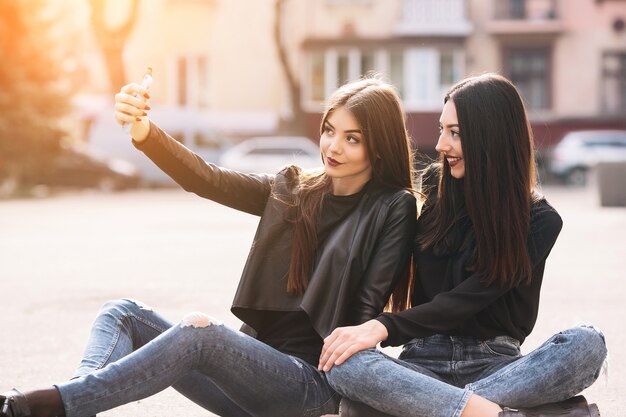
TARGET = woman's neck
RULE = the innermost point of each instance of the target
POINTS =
(342, 187)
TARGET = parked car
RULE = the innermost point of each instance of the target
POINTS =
(580, 151)
(78, 169)
(271, 153)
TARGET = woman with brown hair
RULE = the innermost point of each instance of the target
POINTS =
(483, 238)
(330, 248)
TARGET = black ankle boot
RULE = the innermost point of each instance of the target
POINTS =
(13, 404)
(574, 407)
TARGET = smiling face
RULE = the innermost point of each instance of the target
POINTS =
(449, 143)
(344, 152)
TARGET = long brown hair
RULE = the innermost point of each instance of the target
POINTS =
(497, 190)
(376, 107)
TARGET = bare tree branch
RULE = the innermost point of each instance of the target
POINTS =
(112, 40)
(297, 122)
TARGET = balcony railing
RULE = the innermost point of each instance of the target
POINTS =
(526, 9)
(434, 18)
(525, 17)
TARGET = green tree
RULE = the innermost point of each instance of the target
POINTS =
(34, 93)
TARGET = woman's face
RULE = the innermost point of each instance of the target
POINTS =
(344, 153)
(449, 142)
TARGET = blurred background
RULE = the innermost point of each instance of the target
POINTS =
(227, 70)
(242, 83)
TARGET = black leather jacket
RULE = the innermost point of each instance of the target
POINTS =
(356, 268)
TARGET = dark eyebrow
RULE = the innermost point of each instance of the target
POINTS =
(347, 131)
(450, 125)
(354, 131)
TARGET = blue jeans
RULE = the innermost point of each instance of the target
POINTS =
(133, 353)
(436, 375)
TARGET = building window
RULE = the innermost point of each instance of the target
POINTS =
(396, 71)
(331, 68)
(189, 84)
(516, 8)
(348, 2)
(430, 74)
(203, 82)
(526, 9)
(529, 70)
(180, 2)
(318, 80)
(368, 63)
(343, 69)
(420, 75)
(447, 68)
(614, 82)
(181, 71)
(433, 18)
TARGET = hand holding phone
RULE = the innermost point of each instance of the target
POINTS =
(146, 82)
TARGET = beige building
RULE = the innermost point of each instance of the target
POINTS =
(217, 59)
(568, 57)
(212, 59)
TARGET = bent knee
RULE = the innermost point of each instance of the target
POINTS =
(590, 340)
(589, 336)
(199, 320)
(124, 306)
(590, 343)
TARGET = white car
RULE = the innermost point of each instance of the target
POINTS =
(580, 151)
(270, 154)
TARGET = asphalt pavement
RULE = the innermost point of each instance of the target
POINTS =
(63, 256)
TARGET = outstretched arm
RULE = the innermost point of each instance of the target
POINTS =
(245, 192)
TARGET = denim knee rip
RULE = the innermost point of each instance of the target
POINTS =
(197, 319)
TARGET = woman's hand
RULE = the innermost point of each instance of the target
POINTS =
(344, 342)
(131, 105)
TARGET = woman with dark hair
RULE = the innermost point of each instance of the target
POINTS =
(330, 248)
(483, 237)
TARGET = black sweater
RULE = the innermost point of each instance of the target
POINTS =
(448, 299)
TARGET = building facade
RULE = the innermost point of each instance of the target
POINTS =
(567, 57)
(218, 58)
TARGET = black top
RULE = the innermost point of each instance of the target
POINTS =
(291, 331)
(448, 299)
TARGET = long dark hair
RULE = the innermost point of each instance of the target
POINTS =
(497, 190)
(376, 107)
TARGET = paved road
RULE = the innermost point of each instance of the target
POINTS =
(62, 257)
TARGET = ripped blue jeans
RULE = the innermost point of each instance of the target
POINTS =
(133, 353)
(436, 375)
